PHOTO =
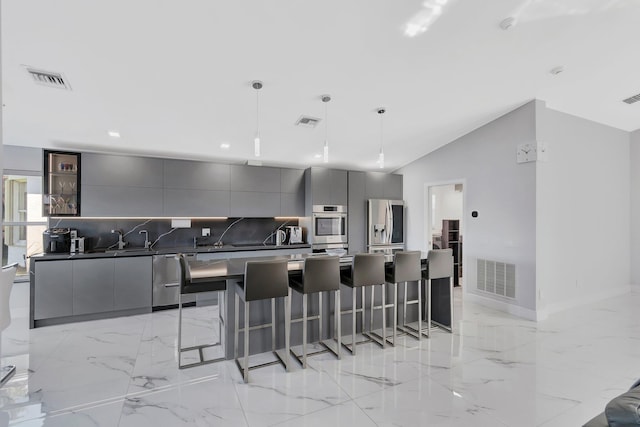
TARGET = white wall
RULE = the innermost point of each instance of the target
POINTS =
(583, 211)
(635, 208)
(502, 191)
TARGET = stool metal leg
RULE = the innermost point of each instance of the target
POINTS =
(236, 326)
(384, 315)
(287, 330)
(304, 331)
(273, 323)
(245, 374)
(338, 323)
(395, 312)
(179, 329)
(321, 336)
(419, 308)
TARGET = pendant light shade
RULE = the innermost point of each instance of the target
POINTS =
(257, 85)
(325, 150)
(381, 112)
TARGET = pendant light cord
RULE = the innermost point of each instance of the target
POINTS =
(257, 112)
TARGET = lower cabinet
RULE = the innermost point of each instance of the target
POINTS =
(132, 282)
(91, 286)
(53, 289)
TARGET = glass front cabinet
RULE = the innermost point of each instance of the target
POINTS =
(61, 190)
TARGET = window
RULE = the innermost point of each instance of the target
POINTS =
(23, 221)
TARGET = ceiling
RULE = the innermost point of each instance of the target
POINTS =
(173, 77)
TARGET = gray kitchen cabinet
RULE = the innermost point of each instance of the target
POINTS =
(375, 185)
(393, 187)
(292, 180)
(357, 212)
(292, 192)
(132, 282)
(185, 174)
(93, 290)
(254, 204)
(121, 171)
(325, 187)
(193, 202)
(254, 179)
(53, 289)
(121, 201)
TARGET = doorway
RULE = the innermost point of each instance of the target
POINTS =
(444, 227)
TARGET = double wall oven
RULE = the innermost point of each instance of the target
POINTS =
(328, 227)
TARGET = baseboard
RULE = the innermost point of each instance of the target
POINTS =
(581, 300)
(516, 310)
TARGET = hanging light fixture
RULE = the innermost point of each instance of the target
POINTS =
(381, 111)
(257, 85)
(325, 153)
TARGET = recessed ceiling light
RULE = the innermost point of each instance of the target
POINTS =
(225, 146)
(114, 134)
(317, 156)
(557, 70)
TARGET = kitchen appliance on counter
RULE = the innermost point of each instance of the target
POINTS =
(294, 235)
(166, 281)
(328, 227)
(57, 240)
(385, 224)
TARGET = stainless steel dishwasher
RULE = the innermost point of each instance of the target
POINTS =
(166, 281)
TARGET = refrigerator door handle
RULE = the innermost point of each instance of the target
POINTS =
(389, 225)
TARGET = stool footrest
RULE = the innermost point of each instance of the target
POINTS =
(300, 319)
(6, 372)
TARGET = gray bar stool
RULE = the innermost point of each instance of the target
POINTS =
(407, 268)
(319, 274)
(186, 287)
(262, 280)
(366, 270)
(439, 266)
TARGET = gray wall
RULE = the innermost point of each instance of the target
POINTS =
(502, 191)
(635, 207)
(583, 211)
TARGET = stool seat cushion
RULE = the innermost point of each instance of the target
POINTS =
(624, 410)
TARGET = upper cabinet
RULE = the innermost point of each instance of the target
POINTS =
(380, 185)
(61, 189)
(325, 187)
(185, 174)
(255, 179)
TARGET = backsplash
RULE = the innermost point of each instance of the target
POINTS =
(97, 232)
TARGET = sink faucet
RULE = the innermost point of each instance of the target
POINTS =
(147, 243)
(121, 243)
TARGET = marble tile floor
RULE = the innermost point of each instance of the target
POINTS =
(495, 370)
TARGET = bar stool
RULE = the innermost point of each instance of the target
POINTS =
(186, 287)
(406, 268)
(439, 266)
(6, 284)
(366, 270)
(262, 280)
(319, 274)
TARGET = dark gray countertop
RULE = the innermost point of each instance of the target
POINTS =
(132, 252)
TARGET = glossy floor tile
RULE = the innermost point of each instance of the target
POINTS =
(494, 370)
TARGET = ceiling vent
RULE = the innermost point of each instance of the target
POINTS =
(48, 78)
(307, 121)
(633, 99)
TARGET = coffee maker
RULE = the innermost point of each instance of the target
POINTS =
(57, 240)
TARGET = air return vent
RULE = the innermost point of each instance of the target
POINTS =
(307, 121)
(633, 99)
(48, 78)
(497, 278)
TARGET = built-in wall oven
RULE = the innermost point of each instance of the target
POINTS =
(328, 227)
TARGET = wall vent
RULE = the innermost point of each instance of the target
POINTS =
(632, 99)
(497, 278)
(48, 78)
(307, 121)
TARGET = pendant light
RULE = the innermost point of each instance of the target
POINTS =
(257, 85)
(325, 153)
(381, 111)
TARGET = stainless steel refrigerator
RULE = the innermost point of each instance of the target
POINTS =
(385, 224)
